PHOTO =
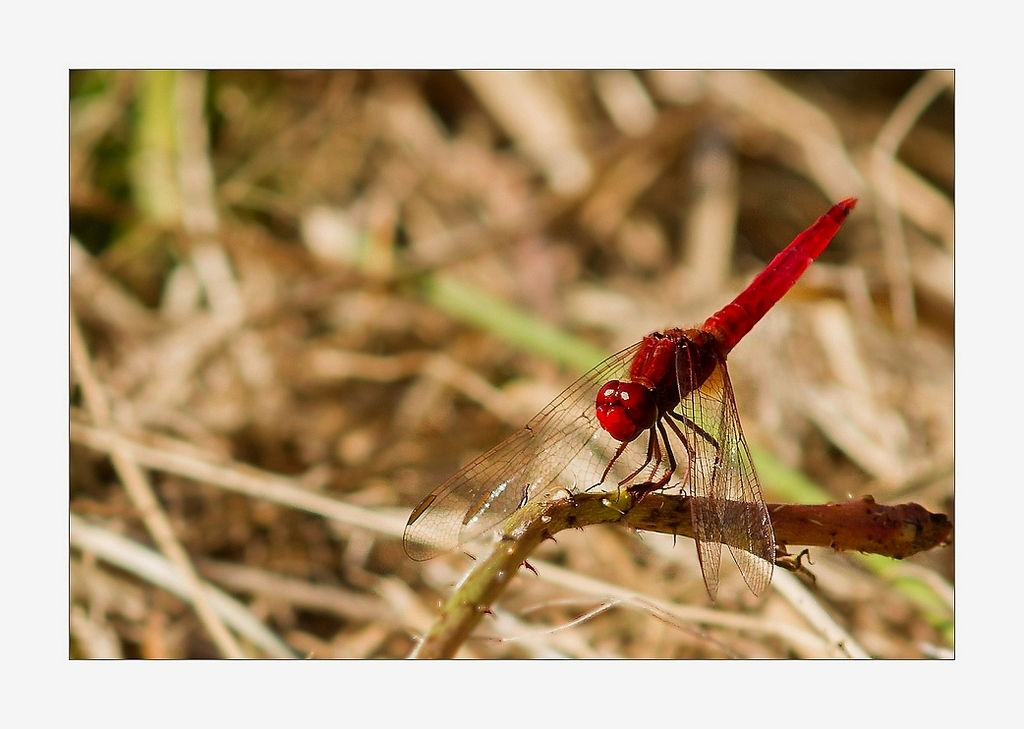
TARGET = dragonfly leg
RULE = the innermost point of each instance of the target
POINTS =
(795, 564)
(639, 490)
(716, 467)
(691, 454)
(652, 447)
(696, 429)
(656, 435)
(612, 461)
(708, 516)
(686, 444)
(653, 455)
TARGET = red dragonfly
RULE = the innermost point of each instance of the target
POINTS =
(673, 388)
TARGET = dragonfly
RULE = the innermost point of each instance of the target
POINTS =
(659, 414)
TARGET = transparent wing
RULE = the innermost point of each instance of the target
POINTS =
(728, 507)
(562, 447)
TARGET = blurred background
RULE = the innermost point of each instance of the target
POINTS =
(302, 299)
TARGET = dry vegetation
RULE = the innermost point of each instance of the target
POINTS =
(288, 327)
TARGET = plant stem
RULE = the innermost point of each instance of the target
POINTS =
(861, 525)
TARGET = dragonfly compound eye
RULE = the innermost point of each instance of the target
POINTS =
(626, 409)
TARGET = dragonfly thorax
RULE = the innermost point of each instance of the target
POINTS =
(669, 365)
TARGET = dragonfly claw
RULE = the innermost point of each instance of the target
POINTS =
(795, 564)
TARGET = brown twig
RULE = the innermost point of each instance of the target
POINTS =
(863, 525)
(853, 526)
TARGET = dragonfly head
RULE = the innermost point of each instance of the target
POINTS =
(626, 409)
